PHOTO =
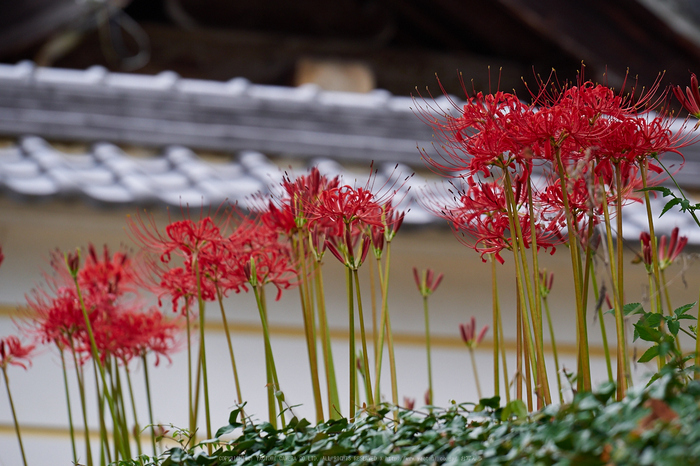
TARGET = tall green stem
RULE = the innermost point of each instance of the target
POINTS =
(239, 398)
(351, 348)
(307, 310)
(150, 403)
(83, 403)
(554, 349)
(496, 330)
(582, 338)
(368, 379)
(619, 318)
(14, 415)
(274, 390)
(427, 347)
(203, 351)
(329, 366)
(100, 368)
(68, 404)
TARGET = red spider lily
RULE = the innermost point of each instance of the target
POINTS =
(345, 207)
(468, 332)
(186, 238)
(647, 257)
(409, 403)
(255, 255)
(546, 282)
(427, 398)
(136, 334)
(667, 253)
(691, 99)
(107, 285)
(302, 194)
(13, 353)
(426, 281)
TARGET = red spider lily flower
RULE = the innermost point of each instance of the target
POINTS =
(255, 255)
(13, 353)
(675, 247)
(140, 333)
(468, 332)
(546, 282)
(426, 281)
(427, 398)
(344, 251)
(409, 403)
(667, 253)
(302, 194)
(691, 99)
(647, 257)
(73, 262)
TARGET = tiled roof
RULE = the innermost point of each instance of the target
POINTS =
(97, 105)
(327, 129)
(106, 175)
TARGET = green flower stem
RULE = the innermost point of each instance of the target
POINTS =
(385, 330)
(81, 389)
(150, 403)
(603, 332)
(307, 309)
(619, 318)
(274, 385)
(239, 398)
(518, 346)
(496, 330)
(203, 352)
(582, 335)
(554, 349)
(121, 406)
(528, 375)
(68, 404)
(373, 301)
(329, 366)
(137, 427)
(621, 250)
(427, 347)
(498, 335)
(351, 336)
(536, 355)
(14, 415)
(368, 379)
(537, 318)
(190, 400)
(100, 370)
(476, 372)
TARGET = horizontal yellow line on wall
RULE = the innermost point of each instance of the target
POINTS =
(405, 339)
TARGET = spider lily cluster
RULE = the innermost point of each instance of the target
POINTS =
(529, 177)
(525, 178)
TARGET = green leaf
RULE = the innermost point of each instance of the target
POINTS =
(515, 408)
(649, 354)
(681, 310)
(632, 308)
(493, 403)
(647, 333)
(652, 320)
(662, 189)
(669, 204)
(674, 326)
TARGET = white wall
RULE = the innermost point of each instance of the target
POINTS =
(28, 231)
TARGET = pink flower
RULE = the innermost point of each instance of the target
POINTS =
(426, 281)
(468, 332)
(12, 352)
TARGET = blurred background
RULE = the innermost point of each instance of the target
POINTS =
(109, 107)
